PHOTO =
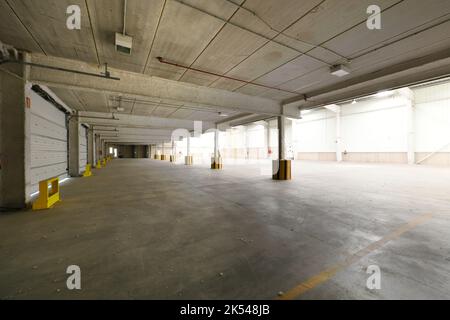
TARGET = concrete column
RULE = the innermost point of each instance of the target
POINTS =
(74, 147)
(338, 135)
(281, 138)
(91, 150)
(216, 143)
(247, 144)
(98, 148)
(281, 167)
(267, 138)
(15, 152)
(216, 161)
(104, 152)
(408, 96)
(188, 145)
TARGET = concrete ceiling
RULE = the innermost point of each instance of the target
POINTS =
(288, 45)
(164, 108)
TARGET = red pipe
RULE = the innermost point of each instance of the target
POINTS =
(161, 60)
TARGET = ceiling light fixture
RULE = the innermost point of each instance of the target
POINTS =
(124, 43)
(384, 94)
(339, 70)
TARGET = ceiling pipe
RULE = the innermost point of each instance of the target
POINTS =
(106, 75)
(125, 17)
(162, 60)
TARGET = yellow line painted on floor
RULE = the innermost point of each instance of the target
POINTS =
(327, 274)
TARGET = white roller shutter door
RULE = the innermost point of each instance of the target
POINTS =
(48, 135)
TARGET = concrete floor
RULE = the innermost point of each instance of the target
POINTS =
(148, 229)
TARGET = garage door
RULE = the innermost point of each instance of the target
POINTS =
(83, 148)
(48, 139)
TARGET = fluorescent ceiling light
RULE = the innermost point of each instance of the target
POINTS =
(339, 70)
(305, 111)
(384, 93)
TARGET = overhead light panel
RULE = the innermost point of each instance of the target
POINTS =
(384, 94)
(124, 43)
(339, 70)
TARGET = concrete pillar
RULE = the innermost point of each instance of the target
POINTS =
(74, 147)
(216, 161)
(188, 145)
(15, 152)
(281, 167)
(188, 160)
(267, 138)
(281, 138)
(104, 152)
(91, 145)
(216, 143)
(408, 96)
(98, 148)
(338, 135)
(247, 143)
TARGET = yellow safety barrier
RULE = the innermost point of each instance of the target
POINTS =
(99, 164)
(88, 171)
(164, 157)
(173, 159)
(216, 163)
(47, 196)
(157, 157)
(189, 160)
(104, 162)
(282, 170)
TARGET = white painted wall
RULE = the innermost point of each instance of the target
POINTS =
(379, 124)
(432, 117)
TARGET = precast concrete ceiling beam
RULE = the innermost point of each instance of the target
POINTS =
(141, 85)
(108, 120)
(426, 68)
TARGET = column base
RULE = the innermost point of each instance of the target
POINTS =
(189, 160)
(157, 157)
(216, 163)
(164, 157)
(173, 159)
(281, 170)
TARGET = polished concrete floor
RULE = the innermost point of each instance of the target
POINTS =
(145, 229)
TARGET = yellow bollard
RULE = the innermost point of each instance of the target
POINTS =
(104, 162)
(189, 160)
(47, 196)
(282, 170)
(216, 163)
(88, 171)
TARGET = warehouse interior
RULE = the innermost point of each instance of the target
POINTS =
(225, 149)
